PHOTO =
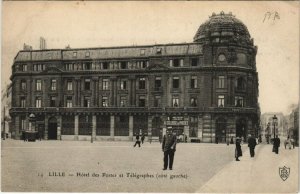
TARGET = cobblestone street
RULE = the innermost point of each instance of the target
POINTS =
(79, 166)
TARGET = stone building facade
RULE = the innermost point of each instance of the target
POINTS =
(206, 89)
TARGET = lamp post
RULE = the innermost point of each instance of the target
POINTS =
(268, 132)
(274, 123)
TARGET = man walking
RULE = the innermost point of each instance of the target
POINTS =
(276, 144)
(169, 148)
(137, 140)
(251, 145)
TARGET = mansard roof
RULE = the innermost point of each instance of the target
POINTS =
(111, 52)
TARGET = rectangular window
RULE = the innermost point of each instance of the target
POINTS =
(221, 82)
(171, 62)
(23, 102)
(142, 101)
(105, 65)
(175, 101)
(69, 102)
(193, 102)
(194, 82)
(175, 82)
(123, 101)
(69, 85)
(157, 101)
(239, 101)
(105, 84)
(176, 63)
(221, 100)
(24, 67)
(38, 102)
(23, 85)
(142, 83)
(23, 123)
(86, 102)
(158, 50)
(157, 84)
(123, 84)
(194, 62)
(52, 101)
(74, 54)
(104, 101)
(142, 51)
(123, 65)
(38, 85)
(53, 84)
(87, 54)
(87, 84)
(87, 66)
(181, 62)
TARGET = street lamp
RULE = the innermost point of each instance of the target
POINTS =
(274, 123)
(268, 132)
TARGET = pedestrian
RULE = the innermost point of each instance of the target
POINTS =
(137, 137)
(231, 140)
(293, 142)
(217, 140)
(251, 145)
(143, 138)
(169, 148)
(238, 149)
(276, 144)
(287, 142)
(159, 138)
(185, 138)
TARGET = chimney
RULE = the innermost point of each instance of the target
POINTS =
(43, 43)
(27, 47)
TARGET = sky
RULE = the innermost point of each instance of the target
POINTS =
(274, 26)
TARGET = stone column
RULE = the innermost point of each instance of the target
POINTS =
(17, 127)
(59, 125)
(112, 126)
(46, 127)
(94, 125)
(76, 127)
(130, 127)
(150, 126)
(186, 128)
(200, 127)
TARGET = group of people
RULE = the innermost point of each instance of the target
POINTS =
(252, 142)
(290, 142)
(138, 142)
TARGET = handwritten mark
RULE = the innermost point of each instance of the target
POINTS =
(271, 16)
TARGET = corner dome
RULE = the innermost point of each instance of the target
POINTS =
(223, 28)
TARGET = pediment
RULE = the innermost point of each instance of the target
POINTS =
(52, 70)
(157, 66)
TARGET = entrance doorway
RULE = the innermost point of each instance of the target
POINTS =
(241, 128)
(221, 130)
(157, 127)
(52, 128)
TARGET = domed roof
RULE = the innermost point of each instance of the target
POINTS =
(223, 25)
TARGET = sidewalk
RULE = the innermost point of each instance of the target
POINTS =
(257, 175)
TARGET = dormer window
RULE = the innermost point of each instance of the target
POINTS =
(142, 51)
(158, 51)
(87, 54)
(74, 54)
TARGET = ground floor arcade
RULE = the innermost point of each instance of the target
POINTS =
(206, 127)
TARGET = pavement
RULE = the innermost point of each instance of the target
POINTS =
(81, 166)
(257, 175)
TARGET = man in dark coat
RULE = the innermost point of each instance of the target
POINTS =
(137, 137)
(251, 145)
(238, 149)
(169, 148)
(276, 144)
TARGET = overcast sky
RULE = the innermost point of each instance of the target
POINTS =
(97, 24)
